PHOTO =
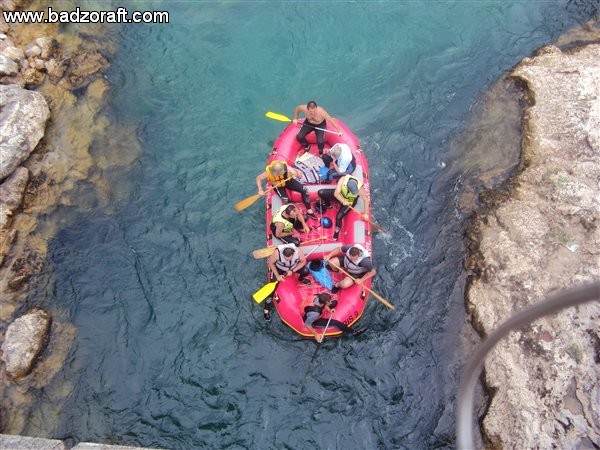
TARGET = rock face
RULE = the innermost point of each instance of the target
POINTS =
(25, 339)
(23, 116)
(11, 194)
(544, 381)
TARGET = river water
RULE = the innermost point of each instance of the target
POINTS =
(171, 351)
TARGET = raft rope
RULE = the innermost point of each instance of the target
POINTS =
(564, 299)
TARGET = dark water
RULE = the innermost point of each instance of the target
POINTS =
(171, 351)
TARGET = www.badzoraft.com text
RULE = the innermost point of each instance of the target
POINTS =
(121, 15)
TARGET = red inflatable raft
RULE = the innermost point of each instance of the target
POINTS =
(355, 230)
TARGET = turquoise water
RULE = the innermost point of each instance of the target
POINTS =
(171, 351)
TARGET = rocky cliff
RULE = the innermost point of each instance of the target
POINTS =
(535, 238)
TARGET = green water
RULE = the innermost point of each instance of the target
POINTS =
(171, 351)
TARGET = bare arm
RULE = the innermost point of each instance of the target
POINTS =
(297, 111)
(271, 263)
(335, 252)
(331, 120)
(313, 331)
(294, 172)
(301, 261)
(279, 231)
(262, 176)
(367, 276)
(303, 222)
(362, 194)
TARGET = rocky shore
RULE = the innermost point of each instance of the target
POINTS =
(54, 135)
(537, 236)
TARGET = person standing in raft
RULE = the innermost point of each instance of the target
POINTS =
(357, 262)
(340, 161)
(281, 176)
(315, 117)
(285, 220)
(286, 261)
(313, 307)
(347, 192)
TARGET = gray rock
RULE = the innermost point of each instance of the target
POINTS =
(11, 442)
(540, 240)
(24, 341)
(33, 50)
(11, 194)
(14, 53)
(8, 66)
(29, 443)
(48, 46)
(23, 116)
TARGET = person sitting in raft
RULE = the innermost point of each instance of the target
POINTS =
(281, 176)
(340, 162)
(315, 117)
(347, 192)
(285, 262)
(356, 262)
(285, 220)
(312, 308)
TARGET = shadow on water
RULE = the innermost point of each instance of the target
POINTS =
(170, 351)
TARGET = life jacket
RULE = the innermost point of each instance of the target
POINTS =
(308, 305)
(320, 273)
(353, 268)
(278, 217)
(277, 180)
(282, 263)
(346, 192)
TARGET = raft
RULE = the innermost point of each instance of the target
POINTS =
(355, 230)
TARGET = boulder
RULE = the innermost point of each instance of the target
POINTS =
(14, 53)
(11, 194)
(23, 116)
(8, 66)
(24, 341)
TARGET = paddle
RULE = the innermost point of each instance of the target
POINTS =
(282, 118)
(268, 251)
(315, 353)
(264, 292)
(248, 201)
(375, 294)
(372, 223)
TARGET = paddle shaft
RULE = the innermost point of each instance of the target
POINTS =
(315, 353)
(372, 223)
(375, 294)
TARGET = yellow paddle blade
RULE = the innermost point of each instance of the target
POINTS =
(276, 116)
(263, 252)
(260, 295)
(243, 204)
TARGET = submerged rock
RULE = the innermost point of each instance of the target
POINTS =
(23, 116)
(24, 341)
(539, 239)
